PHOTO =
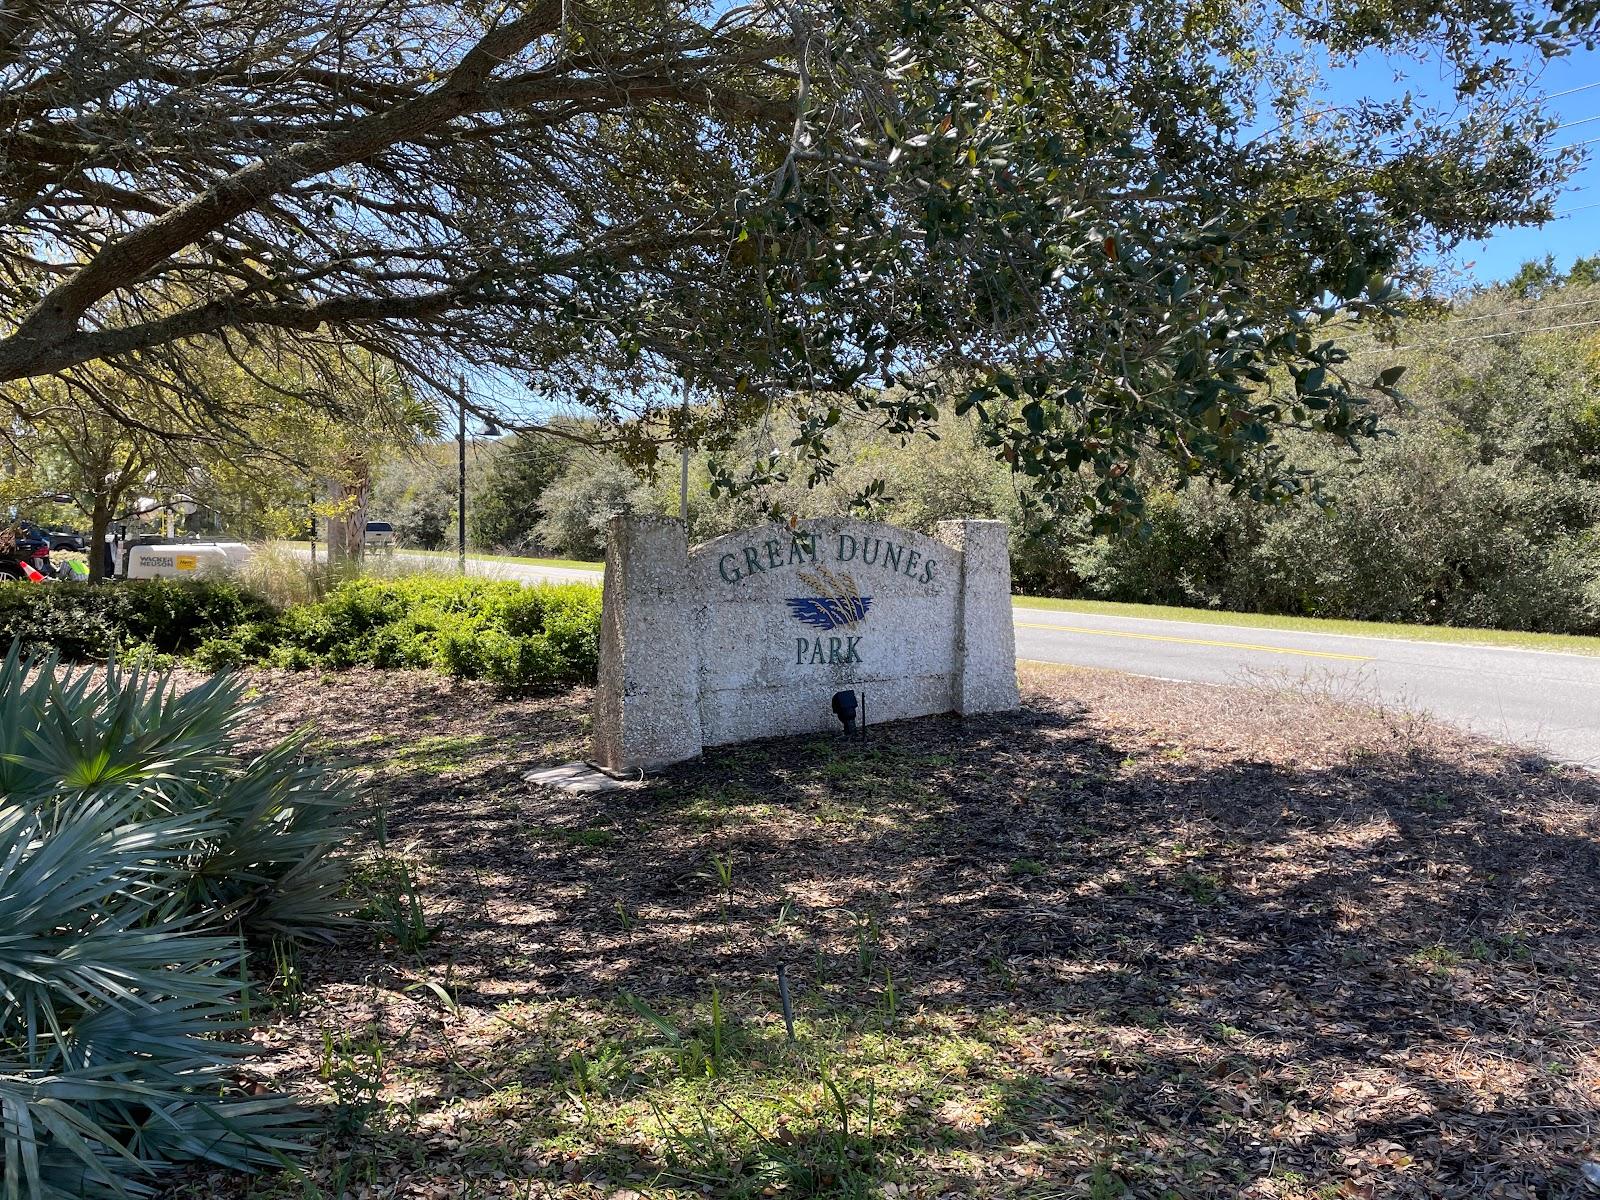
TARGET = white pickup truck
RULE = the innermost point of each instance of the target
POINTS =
(379, 535)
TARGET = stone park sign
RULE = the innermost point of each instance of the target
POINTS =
(752, 634)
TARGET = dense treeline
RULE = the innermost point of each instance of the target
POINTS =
(1480, 505)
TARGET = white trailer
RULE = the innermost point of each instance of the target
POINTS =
(178, 560)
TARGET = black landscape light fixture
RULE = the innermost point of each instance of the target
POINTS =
(844, 707)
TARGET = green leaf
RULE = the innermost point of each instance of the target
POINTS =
(667, 1028)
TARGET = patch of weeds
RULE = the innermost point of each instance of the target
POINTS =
(699, 1097)
(1202, 887)
(787, 907)
(842, 768)
(869, 940)
(592, 837)
(699, 1051)
(719, 870)
(599, 1073)
(367, 741)
(390, 900)
(1437, 958)
(715, 807)
(352, 1068)
(1105, 1184)
(1002, 971)
(860, 782)
(722, 872)
(1500, 947)
(438, 755)
(1146, 1017)
(286, 990)
(1025, 868)
(370, 877)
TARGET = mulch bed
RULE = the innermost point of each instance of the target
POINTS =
(1259, 943)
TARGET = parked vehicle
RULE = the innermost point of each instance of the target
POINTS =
(379, 534)
(25, 553)
(65, 539)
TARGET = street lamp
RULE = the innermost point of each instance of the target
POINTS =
(490, 429)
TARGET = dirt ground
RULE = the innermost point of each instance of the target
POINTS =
(1140, 938)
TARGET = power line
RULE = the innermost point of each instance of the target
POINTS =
(1579, 121)
(1571, 91)
(1592, 302)
(1485, 337)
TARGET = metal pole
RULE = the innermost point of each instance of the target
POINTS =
(461, 479)
(683, 447)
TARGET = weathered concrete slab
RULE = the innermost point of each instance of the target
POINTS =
(647, 707)
(580, 778)
(750, 635)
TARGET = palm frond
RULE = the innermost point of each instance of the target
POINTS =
(140, 857)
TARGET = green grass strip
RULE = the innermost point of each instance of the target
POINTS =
(1564, 643)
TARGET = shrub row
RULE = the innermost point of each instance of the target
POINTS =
(155, 615)
(521, 639)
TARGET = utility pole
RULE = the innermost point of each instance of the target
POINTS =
(683, 459)
(461, 478)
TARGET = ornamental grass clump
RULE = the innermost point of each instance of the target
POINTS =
(142, 860)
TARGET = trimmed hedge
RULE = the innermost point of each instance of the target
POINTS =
(163, 616)
(521, 639)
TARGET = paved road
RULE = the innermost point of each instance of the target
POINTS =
(1536, 698)
(486, 567)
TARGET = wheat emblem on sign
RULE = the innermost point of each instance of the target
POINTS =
(838, 602)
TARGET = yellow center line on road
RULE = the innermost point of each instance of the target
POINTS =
(1162, 637)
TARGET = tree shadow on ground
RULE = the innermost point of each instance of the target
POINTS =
(1209, 941)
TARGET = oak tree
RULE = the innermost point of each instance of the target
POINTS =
(1116, 229)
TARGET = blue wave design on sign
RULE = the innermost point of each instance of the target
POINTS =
(827, 612)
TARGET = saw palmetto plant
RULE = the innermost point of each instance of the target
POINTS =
(141, 859)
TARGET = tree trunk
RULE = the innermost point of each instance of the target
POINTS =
(347, 533)
(99, 526)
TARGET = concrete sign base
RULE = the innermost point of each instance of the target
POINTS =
(752, 634)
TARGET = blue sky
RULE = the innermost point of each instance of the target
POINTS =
(1569, 236)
